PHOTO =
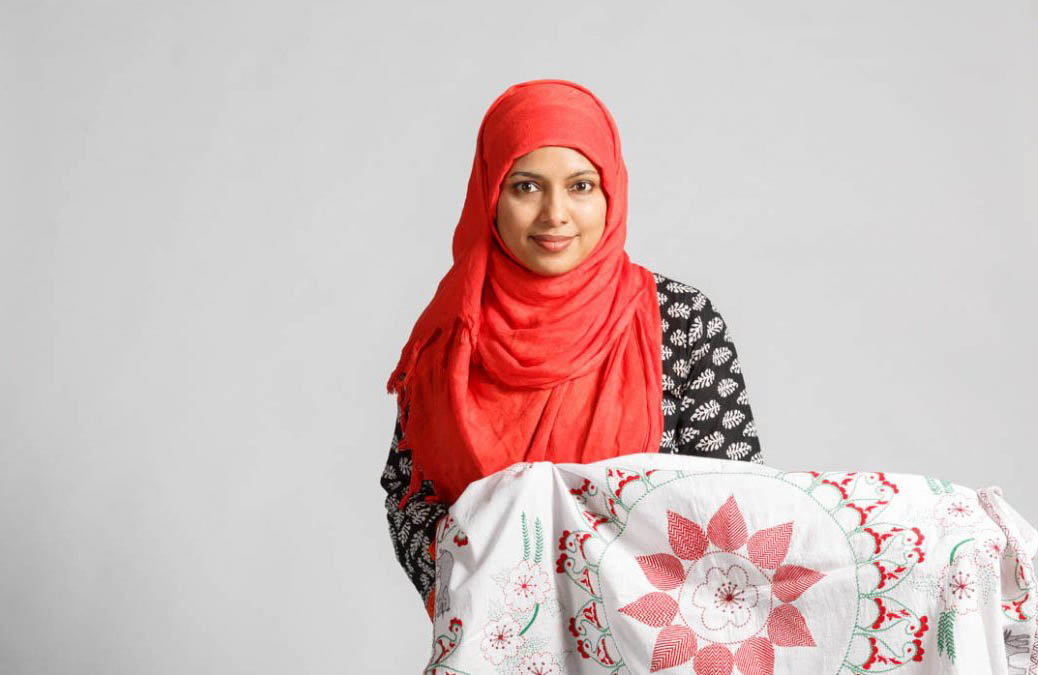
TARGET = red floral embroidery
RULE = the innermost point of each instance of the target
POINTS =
(725, 579)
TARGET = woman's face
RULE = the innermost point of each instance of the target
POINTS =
(551, 210)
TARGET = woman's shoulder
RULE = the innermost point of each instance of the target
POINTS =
(680, 300)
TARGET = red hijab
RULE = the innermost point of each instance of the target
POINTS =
(505, 365)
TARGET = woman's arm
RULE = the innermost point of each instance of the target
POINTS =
(713, 409)
(412, 525)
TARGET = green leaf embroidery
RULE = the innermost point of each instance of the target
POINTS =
(939, 486)
(526, 537)
(946, 634)
(539, 540)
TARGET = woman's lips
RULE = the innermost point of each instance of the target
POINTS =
(552, 242)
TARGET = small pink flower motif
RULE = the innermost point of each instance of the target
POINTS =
(541, 663)
(956, 511)
(989, 550)
(959, 587)
(527, 585)
(501, 639)
(726, 597)
(962, 585)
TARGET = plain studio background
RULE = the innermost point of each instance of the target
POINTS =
(220, 221)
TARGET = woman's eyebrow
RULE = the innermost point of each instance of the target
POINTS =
(537, 175)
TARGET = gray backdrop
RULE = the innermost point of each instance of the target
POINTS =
(220, 221)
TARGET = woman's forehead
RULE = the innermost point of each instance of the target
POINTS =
(554, 158)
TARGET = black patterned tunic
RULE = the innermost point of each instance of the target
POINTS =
(706, 412)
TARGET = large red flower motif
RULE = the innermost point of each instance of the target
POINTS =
(723, 597)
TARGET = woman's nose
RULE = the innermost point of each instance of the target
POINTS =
(554, 209)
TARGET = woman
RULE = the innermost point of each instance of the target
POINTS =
(544, 341)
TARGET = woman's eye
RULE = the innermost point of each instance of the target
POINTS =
(519, 185)
(589, 184)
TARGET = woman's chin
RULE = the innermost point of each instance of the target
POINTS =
(551, 266)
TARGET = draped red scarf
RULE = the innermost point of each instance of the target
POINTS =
(505, 365)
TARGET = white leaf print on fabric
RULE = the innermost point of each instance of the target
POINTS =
(668, 383)
(738, 450)
(679, 309)
(708, 410)
(699, 352)
(703, 380)
(714, 326)
(420, 511)
(695, 329)
(711, 442)
(419, 542)
(688, 433)
(721, 356)
(732, 419)
(726, 386)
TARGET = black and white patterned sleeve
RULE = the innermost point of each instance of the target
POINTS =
(412, 527)
(709, 394)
